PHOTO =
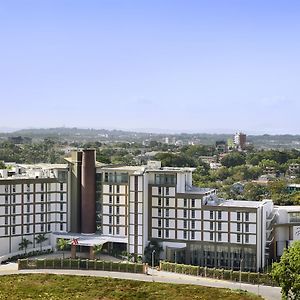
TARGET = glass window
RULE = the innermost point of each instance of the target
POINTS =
(219, 226)
(159, 222)
(185, 202)
(184, 223)
(159, 201)
(167, 202)
(247, 227)
(193, 202)
(185, 234)
(211, 236)
(247, 239)
(247, 216)
(219, 237)
(118, 230)
(193, 235)
(238, 238)
(118, 199)
(238, 216)
(211, 215)
(118, 189)
(238, 227)
(193, 214)
(167, 233)
(167, 191)
(211, 225)
(167, 212)
(159, 233)
(219, 215)
(167, 222)
(185, 213)
(159, 212)
(193, 224)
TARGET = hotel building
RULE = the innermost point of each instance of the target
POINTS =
(128, 206)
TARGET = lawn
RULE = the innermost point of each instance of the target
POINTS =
(60, 287)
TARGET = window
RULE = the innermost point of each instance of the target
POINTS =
(110, 198)
(238, 226)
(42, 227)
(238, 216)
(211, 214)
(118, 189)
(61, 186)
(193, 224)
(193, 202)
(110, 230)
(185, 202)
(193, 214)
(61, 197)
(110, 188)
(118, 199)
(110, 209)
(49, 227)
(247, 216)
(184, 223)
(61, 217)
(61, 207)
(27, 228)
(159, 201)
(219, 215)
(211, 236)
(211, 225)
(159, 233)
(14, 198)
(167, 222)
(167, 191)
(167, 201)
(117, 210)
(167, 212)
(6, 199)
(238, 238)
(110, 220)
(6, 230)
(49, 197)
(118, 230)
(14, 230)
(185, 213)
(28, 208)
(42, 197)
(61, 226)
(14, 220)
(185, 234)
(167, 233)
(28, 218)
(42, 186)
(28, 188)
(118, 220)
(193, 235)
(14, 188)
(42, 207)
(6, 210)
(219, 236)
(247, 239)
(247, 227)
(14, 209)
(159, 190)
(42, 218)
(28, 197)
(6, 220)
(159, 223)
(219, 226)
(159, 212)
(6, 189)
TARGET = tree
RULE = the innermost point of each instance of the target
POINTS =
(153, 245)
(233, 159)
(40, 239)
(287, 272)
(23, 245)
(97, 249)
(61, 245)
(2, 165)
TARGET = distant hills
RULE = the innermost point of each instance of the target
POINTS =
(90, 134)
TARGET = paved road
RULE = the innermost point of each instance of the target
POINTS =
(269, 293)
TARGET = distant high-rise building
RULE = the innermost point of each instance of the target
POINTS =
(240, 140)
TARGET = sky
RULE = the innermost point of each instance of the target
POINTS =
(171, 65)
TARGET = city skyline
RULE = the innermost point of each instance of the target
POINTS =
(210, 66)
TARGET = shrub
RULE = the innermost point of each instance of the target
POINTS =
(139, 268)
(107, 265)
(23, 264)
(99, 265)
(124, 267)
(40, 263)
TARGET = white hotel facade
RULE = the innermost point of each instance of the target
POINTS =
(136, 204)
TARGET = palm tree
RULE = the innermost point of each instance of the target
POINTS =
(97, 249)
(61, 245)
(23, 245)
(40, 239)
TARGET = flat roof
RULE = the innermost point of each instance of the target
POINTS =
(91, 239)
(241, 203)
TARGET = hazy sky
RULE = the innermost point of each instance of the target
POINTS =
(203, 65)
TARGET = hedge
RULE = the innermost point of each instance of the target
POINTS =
(82, 264)
(247, 277)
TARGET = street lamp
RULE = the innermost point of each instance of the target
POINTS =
(153, 253)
